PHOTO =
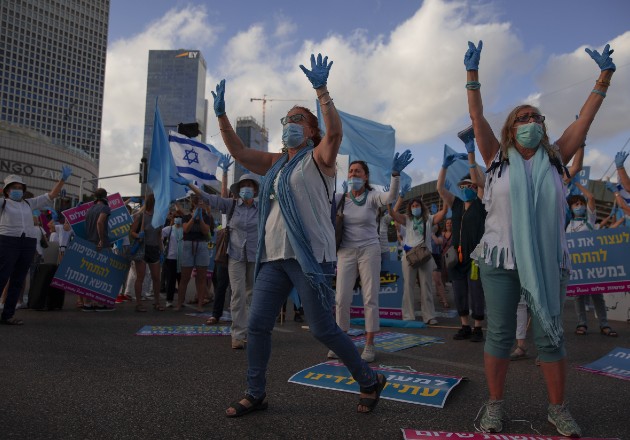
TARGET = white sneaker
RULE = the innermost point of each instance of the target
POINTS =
(369, 353)
(332, 355)
(169, 305)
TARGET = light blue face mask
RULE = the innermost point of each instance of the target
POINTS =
(469, 194)
(292, 135)
(529, 135)
(355, 183)
(178, 220)
(579, 211)
(16, 194)
(416, 212)
(246, 193)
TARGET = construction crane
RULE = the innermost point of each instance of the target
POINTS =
(264, 100)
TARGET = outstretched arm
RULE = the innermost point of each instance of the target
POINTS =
(486, 140)
(575, 135)
(620, 158)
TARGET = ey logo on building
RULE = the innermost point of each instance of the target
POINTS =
(191, 54)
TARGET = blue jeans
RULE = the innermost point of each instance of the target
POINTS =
(16, 256)
(271, 289)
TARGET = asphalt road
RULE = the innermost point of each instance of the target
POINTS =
(74, 375)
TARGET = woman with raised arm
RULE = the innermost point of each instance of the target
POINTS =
(296, 238)
(524, 247)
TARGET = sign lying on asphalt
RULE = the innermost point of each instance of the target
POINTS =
(615, 364)
(414, 434)
(391, 341)
(184, 330)
(402, 385)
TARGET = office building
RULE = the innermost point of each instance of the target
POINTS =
(252, 135)
(177, 78)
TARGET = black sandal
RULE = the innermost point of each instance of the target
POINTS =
(371, 402)
(256, 405)
(580, 330)
(11, 321)
(607, 331)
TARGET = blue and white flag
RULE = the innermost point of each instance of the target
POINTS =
(194, 160)
(161, 168)
(455, 172)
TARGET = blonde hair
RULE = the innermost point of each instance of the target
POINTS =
(508, 139)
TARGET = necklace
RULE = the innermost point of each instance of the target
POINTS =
(360, 201)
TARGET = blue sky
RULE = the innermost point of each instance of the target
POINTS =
(397, 62)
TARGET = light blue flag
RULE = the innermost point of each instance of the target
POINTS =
(368, 141)
(161, 168)
(194, 160)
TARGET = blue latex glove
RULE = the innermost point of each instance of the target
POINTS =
(318, 75)
(225, 162)
(344, 186)
(161, 257)
(401, 161)
(405, 189)
(470, 146)
(611, 187)
(66, 172)
(451, 158)
(180, 180)
(473, 54)
(140, 235)
(603, 61)
(434, 208)
(54, 215)
(620, 158)
(407, 248)
(219, 99)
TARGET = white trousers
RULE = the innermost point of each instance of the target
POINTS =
(242, 284)
(423, 274)
(366, 261)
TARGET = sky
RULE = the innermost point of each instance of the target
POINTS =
(397, 62)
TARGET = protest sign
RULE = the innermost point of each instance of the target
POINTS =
(87, 272)
(184, 330)
(118, 224)
(418, 434)
(615, 364)
(391, 342)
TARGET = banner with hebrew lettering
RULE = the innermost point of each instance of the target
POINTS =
(402, 385)
(118, 224)
(599, 261)
(87, 272)
(389, 295)
(615, 364)
(421, 434)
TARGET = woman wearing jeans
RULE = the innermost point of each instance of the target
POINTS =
(524, 247)
(296, 245)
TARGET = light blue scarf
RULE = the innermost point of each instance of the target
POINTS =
(292, 218)
(536, 231)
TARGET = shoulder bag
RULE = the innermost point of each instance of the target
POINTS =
(223, 239)
(418, 255)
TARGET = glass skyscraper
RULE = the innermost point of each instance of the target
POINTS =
(52, 69)
(177, 78)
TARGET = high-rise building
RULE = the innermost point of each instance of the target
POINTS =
(52, 73)
(177, 78)
(252, 135)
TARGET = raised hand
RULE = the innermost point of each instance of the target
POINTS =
(219, 99)
(473, 54)
(603, 61)
(620, 158)
(404, 189)
(470, 145)
(180, 180)
(66, 172)
(451, 158)
(401, 161)
(225, 162)
(318, 75)
(140, 235)
(611, 187)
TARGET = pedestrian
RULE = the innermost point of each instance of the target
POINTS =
(524, 247)
(296, 240)
(173, 236)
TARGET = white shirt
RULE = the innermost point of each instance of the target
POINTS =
(63, 236)
(171, 252)
(583, 224)
(16, 218)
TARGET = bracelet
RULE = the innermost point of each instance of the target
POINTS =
(473, 85)
(323, 94)
(226, 129)
(330, 101)
(603, 82)
(472, 165)
(599, 92)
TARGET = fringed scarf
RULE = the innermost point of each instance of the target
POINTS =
(293, 220)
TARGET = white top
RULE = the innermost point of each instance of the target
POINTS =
(414, 238)
(583, 224)
(385, 220)
(16, 218)
(63, 236)
(314, 207)
(359, 222)
(38, 247)
(171, 252)
(498, 226)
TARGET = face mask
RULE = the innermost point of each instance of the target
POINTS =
(356, 183)
(529, 135)
(416, 212)
(246, 193)
(292, 135)
(579, 211)
(469, 194)
(16, 194)
(178, 221)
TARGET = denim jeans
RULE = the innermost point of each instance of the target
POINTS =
(271, 289)
(16, 256)
(600, 309)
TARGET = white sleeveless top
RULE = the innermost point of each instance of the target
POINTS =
(314, 207)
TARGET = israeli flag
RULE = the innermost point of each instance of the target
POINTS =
(194, 160)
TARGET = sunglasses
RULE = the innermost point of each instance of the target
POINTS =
(466, 185)
(293, 118)
(539, 119)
